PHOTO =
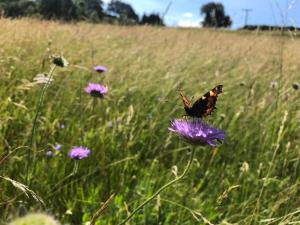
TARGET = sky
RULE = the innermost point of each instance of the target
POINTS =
(186, 13)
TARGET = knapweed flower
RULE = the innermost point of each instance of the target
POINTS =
(96, 90)
(196, 132)
(79, 152)
(49, 154)
(57, 147)
(100, 69)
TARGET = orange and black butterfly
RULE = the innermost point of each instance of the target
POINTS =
(204, 106)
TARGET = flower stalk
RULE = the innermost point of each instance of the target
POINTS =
(34, 126)
(186, 170)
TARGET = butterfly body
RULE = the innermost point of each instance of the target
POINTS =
(204, 106)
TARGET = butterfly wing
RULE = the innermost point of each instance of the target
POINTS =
(186, 102)
(207, 103)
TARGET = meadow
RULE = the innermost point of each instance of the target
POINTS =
(252, 178)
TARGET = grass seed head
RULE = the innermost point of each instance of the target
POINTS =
(59, 61)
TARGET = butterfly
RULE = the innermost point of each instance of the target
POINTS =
(204, 106)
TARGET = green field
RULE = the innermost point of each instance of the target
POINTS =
(252, 178)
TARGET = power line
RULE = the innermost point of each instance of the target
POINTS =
(247, 11)
(167, 10)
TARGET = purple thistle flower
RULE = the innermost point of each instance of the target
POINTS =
(197, 132)
(79, 152)
(100, 69)
(49, 154)
(57, 147)
(96, 90)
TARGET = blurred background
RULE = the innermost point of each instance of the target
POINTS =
(175, 13)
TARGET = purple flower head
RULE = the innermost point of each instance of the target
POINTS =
(96, 90)
(57, 147)
(197, 132)
(79, 152)
(49, 154)
(100, 69)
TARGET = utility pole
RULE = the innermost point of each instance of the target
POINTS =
(167, 10)
(247, 11)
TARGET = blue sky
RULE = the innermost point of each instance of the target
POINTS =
(186, 12)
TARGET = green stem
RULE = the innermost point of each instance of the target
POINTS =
(187, 168)
(38, 109)
(81, 112)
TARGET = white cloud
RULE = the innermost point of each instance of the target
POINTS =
(106, 1)
(190, 23)
(188, 15)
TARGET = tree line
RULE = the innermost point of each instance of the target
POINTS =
(77, 10)
(94, 11)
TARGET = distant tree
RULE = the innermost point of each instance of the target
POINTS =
(90, 9)
(28, 8)
(18, 8)
(94, 6)
(215, 15)
(58, 9)
(10, 8)
(123, 12)
(152, 19)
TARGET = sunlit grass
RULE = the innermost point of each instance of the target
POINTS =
(132, 151)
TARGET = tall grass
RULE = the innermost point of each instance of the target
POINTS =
(133, 154)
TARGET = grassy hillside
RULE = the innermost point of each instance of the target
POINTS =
(253, 178)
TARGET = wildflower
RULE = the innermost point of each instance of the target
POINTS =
(245, 167)
(79, 152)
(100, 69)
(59, 61)
(96, 90)
(109, 124)
(295, 86)
(49, 154)
(274, 84)
(197, 132)
(57, 147)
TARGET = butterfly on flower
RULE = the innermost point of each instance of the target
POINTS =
(204, 106)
